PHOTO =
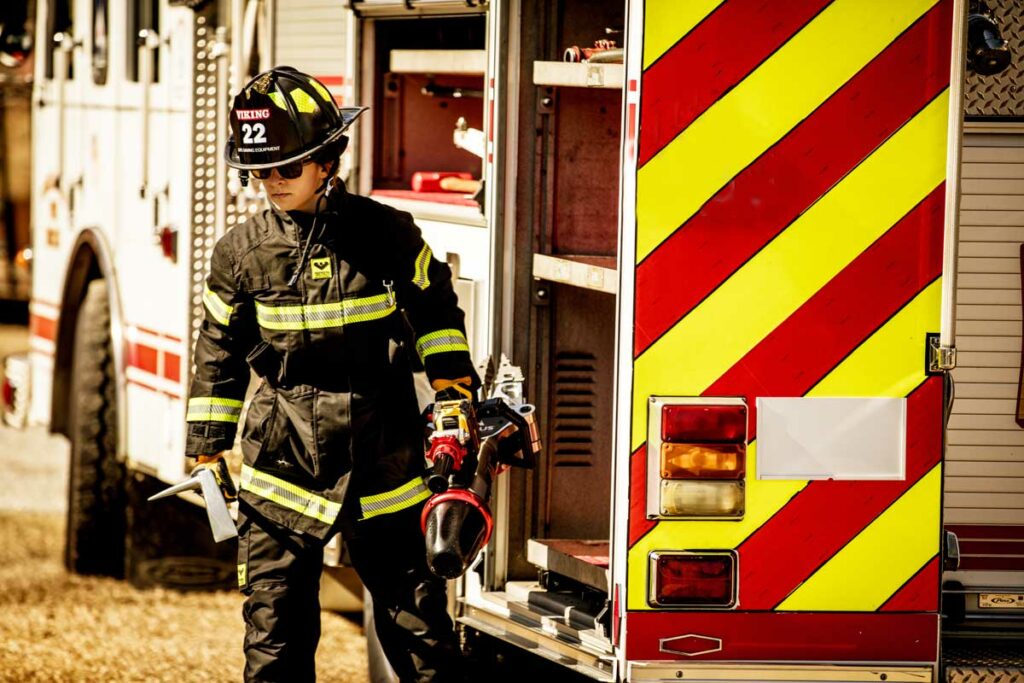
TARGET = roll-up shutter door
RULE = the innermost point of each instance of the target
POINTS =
(312, 35)
(401, 8)
(984, 482)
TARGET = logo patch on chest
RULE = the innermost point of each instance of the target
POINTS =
(321, 268)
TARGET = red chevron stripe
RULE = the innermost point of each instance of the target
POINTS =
(825, 515)
(856, 302)
(751, 210)
(638, 522)
(920, 594)
(710, 60)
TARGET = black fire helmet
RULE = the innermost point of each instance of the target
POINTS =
(283, 115)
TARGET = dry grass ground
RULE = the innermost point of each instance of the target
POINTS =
(57, 627)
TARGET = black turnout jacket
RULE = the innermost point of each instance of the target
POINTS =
(335, 422)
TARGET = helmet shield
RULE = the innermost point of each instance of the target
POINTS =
(283, 115)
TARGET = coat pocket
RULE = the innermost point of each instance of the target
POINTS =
(332, 433)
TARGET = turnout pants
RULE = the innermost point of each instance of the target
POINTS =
(279, 572)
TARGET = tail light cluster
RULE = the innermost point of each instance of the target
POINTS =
(697, 458)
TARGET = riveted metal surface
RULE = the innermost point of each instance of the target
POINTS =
(204, 162)
(1002, 94)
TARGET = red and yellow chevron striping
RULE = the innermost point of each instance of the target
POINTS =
(789, 208)
(751, 210)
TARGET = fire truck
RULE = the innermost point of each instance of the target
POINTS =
(759, 264)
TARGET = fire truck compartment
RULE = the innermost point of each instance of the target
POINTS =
(424, 78)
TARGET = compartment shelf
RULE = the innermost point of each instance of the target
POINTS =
(598, 273)
(435, 62)
(579, 75)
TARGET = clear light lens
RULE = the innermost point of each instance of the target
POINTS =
(700, 423)
(701, 498)
(694, 579)
(702, 461)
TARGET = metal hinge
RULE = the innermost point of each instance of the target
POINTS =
(940, 358)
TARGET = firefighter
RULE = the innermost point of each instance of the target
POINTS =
(325, 296)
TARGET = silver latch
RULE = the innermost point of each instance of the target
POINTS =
(940, 358)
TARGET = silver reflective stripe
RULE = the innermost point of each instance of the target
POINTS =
(419, 277)
(213, 409)
(288, 495)
(219, 310)
(320, 316)
(440, 342)
(406, 495)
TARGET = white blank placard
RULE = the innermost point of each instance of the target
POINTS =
(831, 438)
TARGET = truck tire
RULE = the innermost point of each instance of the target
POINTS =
(95, 534)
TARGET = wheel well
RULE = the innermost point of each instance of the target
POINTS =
(83, 269)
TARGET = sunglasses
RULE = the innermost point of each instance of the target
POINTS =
(289, 171)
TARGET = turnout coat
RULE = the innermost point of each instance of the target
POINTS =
(334, 423)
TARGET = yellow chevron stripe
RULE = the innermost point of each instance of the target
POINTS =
(764, 499)
(789, 270)
(891, 361)
(873, 566)
(888, 363)
(762, 109)
(666, 21)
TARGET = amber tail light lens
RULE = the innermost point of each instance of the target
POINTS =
(703, 461)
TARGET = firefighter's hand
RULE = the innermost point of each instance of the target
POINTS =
(219, 466)
(453, 389)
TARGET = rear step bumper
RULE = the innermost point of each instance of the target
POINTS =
(539, 642)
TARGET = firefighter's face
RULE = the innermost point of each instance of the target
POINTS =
(296, 194)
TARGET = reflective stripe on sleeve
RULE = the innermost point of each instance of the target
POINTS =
(213, 409)
(419, 277)
(320, 316)
(219, 310)
(406, 495)
(288, 495)
(440, 342)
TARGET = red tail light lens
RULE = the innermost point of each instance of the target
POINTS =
(693, 579)
(697, 423)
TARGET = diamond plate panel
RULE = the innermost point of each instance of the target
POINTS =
(1003, 94)
(984, 660)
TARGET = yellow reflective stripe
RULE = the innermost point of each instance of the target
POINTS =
(796, 264)
(666, 21)
(219, 310)
(406, 495)
(213, 409)
(419, 277)
(303, 102)
(289, 495)
(277, 98)
(888, 363)
(440, 342)
(320, 316)
(761, 109)
(873, 566)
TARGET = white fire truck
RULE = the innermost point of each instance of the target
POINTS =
(721, 238)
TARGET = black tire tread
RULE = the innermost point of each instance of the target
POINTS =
(95, 535)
